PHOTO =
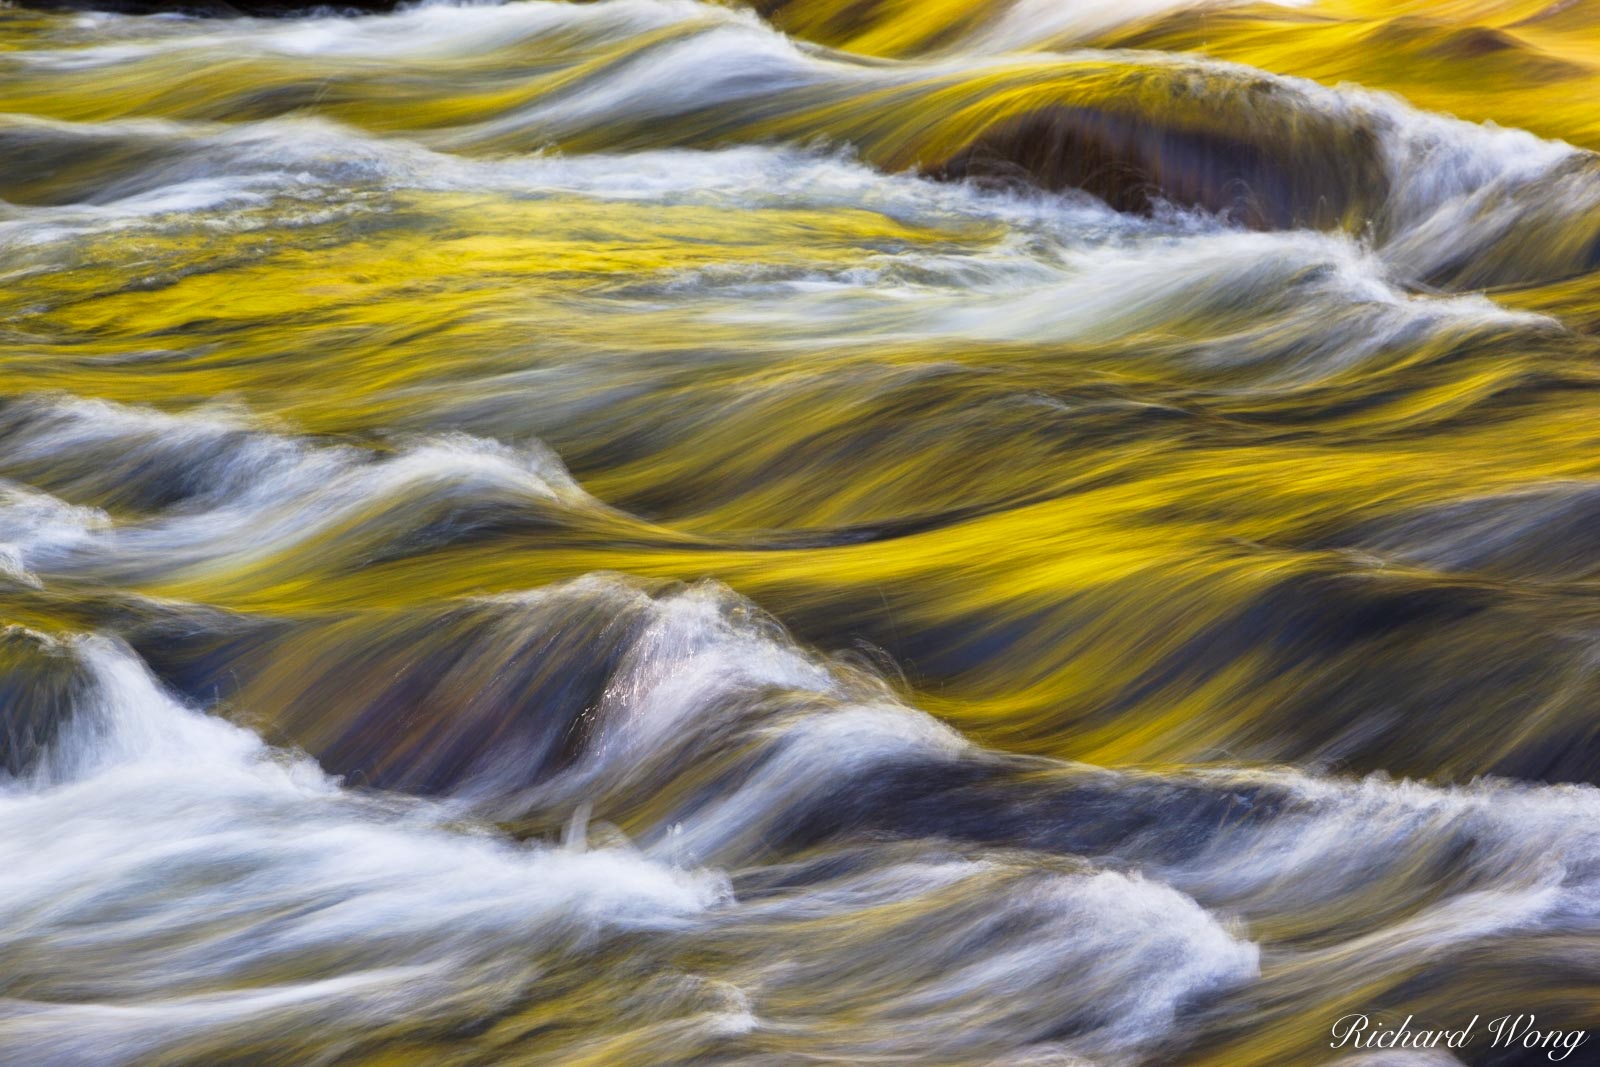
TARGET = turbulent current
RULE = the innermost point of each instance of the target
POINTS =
(646, 532)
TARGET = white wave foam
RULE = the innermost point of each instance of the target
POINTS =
(250, 492)
(35, 524)
(964, 957)
(167, 863)
(1298, 305)
(210, 176)
(427, 32)
(1456, 188)
(1522, 858)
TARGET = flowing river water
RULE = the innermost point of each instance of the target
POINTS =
(646, 532)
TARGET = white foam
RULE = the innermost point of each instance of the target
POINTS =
(168, 852)
(1455, 187)
(965, 957)
(720, 65)
(1528, 854)
(1298, 305)
(254, 492)
(432, 32)
(35, 524)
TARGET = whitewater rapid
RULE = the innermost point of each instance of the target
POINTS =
(156, 848)
(607, 533)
